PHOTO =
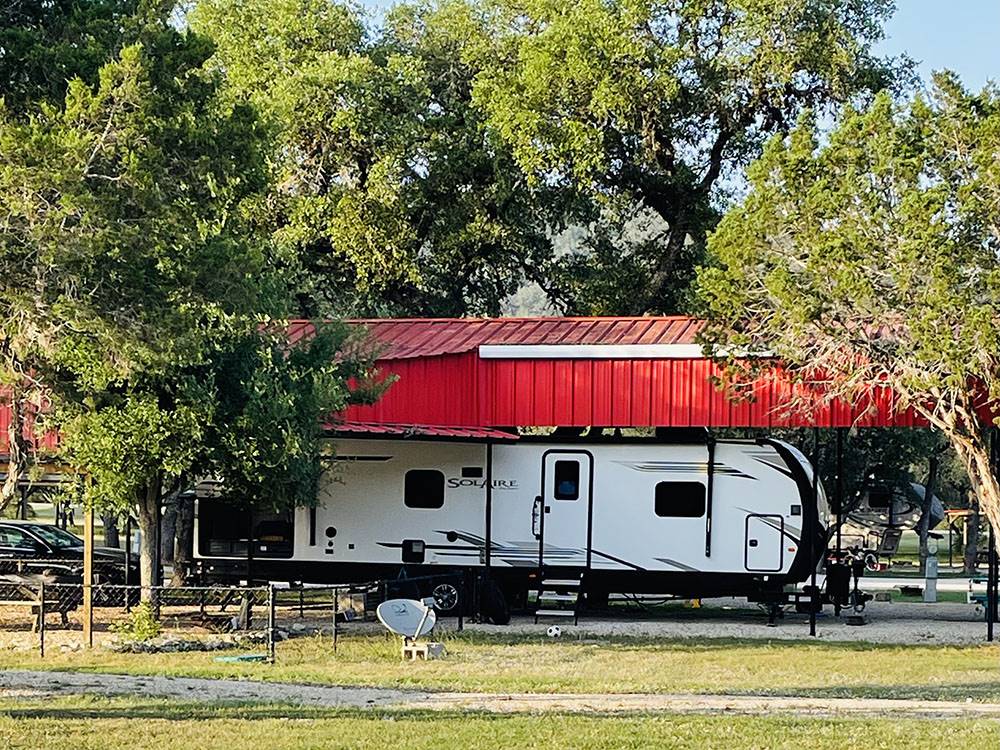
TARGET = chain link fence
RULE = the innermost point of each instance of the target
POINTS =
(40, 610)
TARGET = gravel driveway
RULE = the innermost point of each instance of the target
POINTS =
(30, 684)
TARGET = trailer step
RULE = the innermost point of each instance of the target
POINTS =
(553, 583)
(554, 613)
(558, 597)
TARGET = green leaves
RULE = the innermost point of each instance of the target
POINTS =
(390, 196)
(877, 248)
(644, 107)
(136, 284)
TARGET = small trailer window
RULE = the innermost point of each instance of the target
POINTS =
(680, 499)
(423, 488)
(567, 480)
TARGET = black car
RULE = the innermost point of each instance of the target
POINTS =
(41, 549)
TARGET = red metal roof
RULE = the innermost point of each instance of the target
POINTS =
(403, 338)
(446, 389)
(417, 430)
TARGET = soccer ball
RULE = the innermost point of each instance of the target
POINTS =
(554, 631)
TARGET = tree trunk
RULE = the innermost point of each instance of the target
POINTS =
(972, 536)
(17, 448)
(168, 528)
(184, 550)
(974, 451)
(110, 524)
(924, 527)
(147, 516)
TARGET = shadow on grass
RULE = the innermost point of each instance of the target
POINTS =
(189, 711)
(700, 644)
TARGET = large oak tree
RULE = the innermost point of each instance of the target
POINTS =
(650, 109)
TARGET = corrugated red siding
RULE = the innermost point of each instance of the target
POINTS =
(47, 442)
(442, 380)
(463, 390)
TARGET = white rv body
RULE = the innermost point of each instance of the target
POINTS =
(724, 517)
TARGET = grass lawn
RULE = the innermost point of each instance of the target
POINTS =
(480, 662)
(80, 723)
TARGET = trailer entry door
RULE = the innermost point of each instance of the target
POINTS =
(764, 543)
(562, 511)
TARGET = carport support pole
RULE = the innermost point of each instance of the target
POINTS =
(812, 535)
(488, 546)
(991, 577)
(839, 491)
(991, 554)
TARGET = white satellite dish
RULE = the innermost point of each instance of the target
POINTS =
(407, 617)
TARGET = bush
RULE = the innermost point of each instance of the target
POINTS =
(141, 625)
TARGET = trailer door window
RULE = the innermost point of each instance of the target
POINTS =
(680, 499)
(567, 480)
(423, 488)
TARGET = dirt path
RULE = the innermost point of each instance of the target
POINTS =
(25, 684)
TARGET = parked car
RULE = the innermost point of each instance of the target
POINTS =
(39, 551)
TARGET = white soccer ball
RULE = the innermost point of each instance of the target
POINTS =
(554, 631)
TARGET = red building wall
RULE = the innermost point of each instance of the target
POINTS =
(464, 390)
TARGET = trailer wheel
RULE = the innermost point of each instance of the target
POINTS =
(494, 603)
(445, 597)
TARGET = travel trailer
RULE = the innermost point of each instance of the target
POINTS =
(875, 524)
(692, 519)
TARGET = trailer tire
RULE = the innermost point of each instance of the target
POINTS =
(493, 603)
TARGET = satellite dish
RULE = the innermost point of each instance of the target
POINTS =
(407, 617)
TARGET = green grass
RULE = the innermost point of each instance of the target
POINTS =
(81, 723)
(480, 662)
(944, 597)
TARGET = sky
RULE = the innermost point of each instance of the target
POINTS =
(962, 35)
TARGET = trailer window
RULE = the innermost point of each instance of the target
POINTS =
(567, 480)
(680, 499)
(423, 488)
(223, 526)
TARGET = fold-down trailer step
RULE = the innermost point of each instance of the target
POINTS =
(550, 583)
(544, 597)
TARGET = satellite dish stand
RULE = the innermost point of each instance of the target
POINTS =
(412, 619)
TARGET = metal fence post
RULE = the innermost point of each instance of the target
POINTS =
(335, 606)
(270, 623)
(128, 561)
(41, 619)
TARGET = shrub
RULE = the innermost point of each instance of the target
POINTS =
(141, 625)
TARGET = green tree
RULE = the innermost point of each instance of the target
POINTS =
(45, 45)
(869, 260)
(646, 111)
(390, 197)
(128, 248)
